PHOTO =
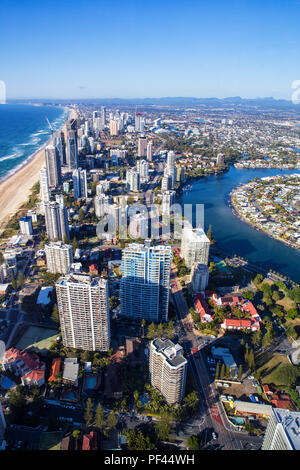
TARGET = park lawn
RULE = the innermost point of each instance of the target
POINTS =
(286, 303)
(268, 369)
(37, 339)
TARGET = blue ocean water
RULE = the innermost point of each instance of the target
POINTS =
(23, 130)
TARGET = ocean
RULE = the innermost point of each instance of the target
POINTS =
(23, 130)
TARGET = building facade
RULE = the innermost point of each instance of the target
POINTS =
(145, 283)
(56, 218)
(84, 312)
(59, 257)
(167, 368)
(53, 166)
(283, 431)
(194, 246)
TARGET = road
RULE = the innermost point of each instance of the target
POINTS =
(212, 414)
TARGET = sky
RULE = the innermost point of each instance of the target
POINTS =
(149, 48)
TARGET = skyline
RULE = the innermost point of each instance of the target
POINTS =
(85, 50)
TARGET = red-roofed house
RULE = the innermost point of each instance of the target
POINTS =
(246, 306)
(283, 402)
(35, 377)
(202, 308)
(267, 390)
(55, 368)
(236, 324)
(89, 441)
(93, 269)
(22, 363)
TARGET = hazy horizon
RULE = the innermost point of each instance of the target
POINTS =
(85, 48)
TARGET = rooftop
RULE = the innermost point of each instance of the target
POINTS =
(195, 235)
(83, 279)
(290, 423)
(171, 351)
(71, 368)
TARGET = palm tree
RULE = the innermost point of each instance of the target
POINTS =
(143, 324)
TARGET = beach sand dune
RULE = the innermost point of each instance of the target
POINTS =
(16, 189)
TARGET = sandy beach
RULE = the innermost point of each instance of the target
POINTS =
(15, 190)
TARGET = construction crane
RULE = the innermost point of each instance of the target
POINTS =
(49, 123)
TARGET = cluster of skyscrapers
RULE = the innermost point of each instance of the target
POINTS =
(82, 300)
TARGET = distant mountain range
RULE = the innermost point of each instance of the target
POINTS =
(236, 101)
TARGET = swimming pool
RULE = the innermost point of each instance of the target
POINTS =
(237, 420)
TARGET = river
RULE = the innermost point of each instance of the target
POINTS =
(232, 234)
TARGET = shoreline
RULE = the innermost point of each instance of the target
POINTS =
(244, 219)
(15, 188)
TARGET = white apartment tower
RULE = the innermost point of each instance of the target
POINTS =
(167, 368)
(143, 170)
(26, 225)
(44, 185)
(142, 146)
(113, 127)
(79, 183)
(170, 169)
(84, 312)
(166, 183)
(168, 199)
(149, 151)
(59, 257)
(56, 218)
(194, 246)
(133, 180)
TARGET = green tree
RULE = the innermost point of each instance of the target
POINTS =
(80, 216)
(240, 372)
(99, 418)
(13, 282)
(292, 313)
(136, 440)
(286, 374)
(163, 426)
(248, 295)
(89, 413)
(20, 280)
(55, 314)
(209, 233)
(192, 401)
(192, 442)
(74, 245)
(112, 420)
(143, 324)
(256, 338)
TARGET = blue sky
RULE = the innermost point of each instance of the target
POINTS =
(136, 49)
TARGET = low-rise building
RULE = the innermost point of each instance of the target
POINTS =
(25, 365)
(70, 371)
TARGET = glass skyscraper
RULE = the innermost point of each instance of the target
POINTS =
(145, 283)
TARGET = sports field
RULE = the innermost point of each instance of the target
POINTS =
(37, 338)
